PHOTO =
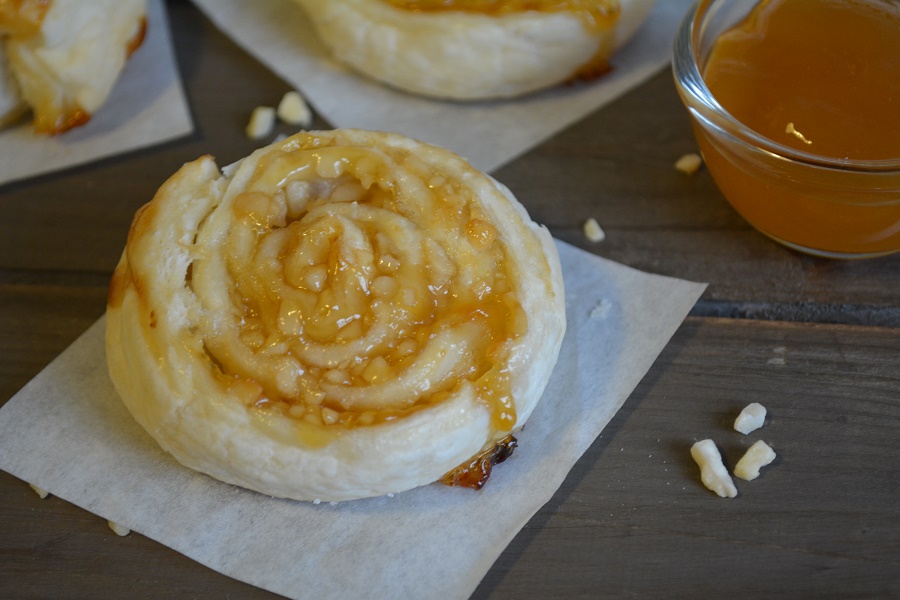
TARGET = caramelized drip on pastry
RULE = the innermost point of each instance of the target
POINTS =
(477, 471)
(359, 299)
(135, 42)
(53, 120)
(595, 14)
(595, 68)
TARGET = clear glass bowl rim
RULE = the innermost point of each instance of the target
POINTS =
(690, 81)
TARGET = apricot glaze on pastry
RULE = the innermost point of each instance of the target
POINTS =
(60, 58)
(342, 314)
(476, 49)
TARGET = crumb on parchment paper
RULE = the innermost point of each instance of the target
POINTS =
(119, 530)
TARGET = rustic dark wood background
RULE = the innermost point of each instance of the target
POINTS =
(632, 519)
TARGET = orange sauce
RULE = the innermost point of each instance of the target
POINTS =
(821, 77)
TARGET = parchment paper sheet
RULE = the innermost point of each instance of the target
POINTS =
(68, 433)
(147, 106)
(488, 134)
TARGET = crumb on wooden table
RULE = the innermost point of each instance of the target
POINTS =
(689, 163)
(593, 231)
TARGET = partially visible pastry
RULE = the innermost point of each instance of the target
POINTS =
(342, 314)
(60, 58)
(11, 104)
(476, 49)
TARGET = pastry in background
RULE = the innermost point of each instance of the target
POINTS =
(476, 49)
(342, 314)
(61, 58)
(12, 107)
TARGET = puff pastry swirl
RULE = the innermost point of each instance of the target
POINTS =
(342, 314)
(475, 49)
(60, 58)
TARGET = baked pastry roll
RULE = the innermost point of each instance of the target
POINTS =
(342, 314)
(61, 57)
(476, 49)
(11, 104)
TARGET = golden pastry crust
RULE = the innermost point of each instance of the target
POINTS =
(65, 55)
(478, 53)
(343, 314)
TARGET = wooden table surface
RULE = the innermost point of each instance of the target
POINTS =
(815, 341)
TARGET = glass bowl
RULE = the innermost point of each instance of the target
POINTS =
(837, 208)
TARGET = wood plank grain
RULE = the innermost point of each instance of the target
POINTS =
(632, 518)
(822, 521)
(52, 549)
(37, 322)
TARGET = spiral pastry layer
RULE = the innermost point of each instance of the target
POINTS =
(476, 49)
(342, 314)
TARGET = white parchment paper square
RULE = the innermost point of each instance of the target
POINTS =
(488, 134)
(432, 542)
(147, 106)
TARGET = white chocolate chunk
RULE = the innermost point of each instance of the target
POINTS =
(758, 455)
(118, 529)
(712, 471)
(689, 163)
(40, 491)
(593, 231)
(262, 121)
(751, 418)
(293, 110)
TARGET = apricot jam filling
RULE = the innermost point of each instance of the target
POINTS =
(347, 295)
